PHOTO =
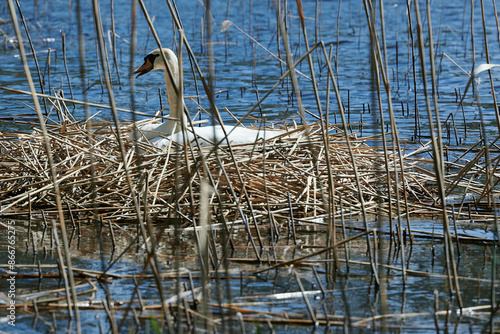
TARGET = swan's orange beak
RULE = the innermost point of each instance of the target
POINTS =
(145, 68)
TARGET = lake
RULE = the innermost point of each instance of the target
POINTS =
(119, 291)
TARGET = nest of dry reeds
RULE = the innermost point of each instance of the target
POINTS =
(311, 174)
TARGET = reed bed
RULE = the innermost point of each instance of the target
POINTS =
(272, 176)
(278, 175)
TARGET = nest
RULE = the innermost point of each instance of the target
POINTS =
(309, 175)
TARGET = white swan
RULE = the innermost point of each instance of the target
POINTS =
(161, 134)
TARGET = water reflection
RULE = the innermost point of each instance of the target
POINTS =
(350, 291)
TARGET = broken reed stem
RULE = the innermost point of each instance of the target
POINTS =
(110, 314)
(62, 272)
(133, 40)
(326, 249)
(86, 104)
(63, 36)
(113, 41)
(110, 225)
(380, 251)
(204, 187)
(42, 88)
(309, 308)
(273, 235)
(332, 233)
(204, 247)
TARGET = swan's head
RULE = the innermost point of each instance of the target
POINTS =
(154, 61)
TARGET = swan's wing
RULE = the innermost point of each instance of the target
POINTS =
(235, 135)
(210, 135)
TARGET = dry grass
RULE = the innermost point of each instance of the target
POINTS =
(259, 176)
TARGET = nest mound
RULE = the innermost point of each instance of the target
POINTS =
(308, 175)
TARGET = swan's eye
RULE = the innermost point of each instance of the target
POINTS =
(151, 57)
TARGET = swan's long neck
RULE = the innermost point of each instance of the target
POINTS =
(174, 126)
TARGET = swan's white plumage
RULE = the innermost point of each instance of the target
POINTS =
(161, 134)
(209, 135)
(155, 130)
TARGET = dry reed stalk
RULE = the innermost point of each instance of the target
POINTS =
(64, 275)
(35, 58)
(323, 122)
(382, 70)
(63, 36)
(46, 145)
(489, 182)
(284, 171)
(353, 162)
(151, 249)
(437, 149)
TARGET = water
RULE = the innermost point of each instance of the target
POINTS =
(351, 293)
(242, 70)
